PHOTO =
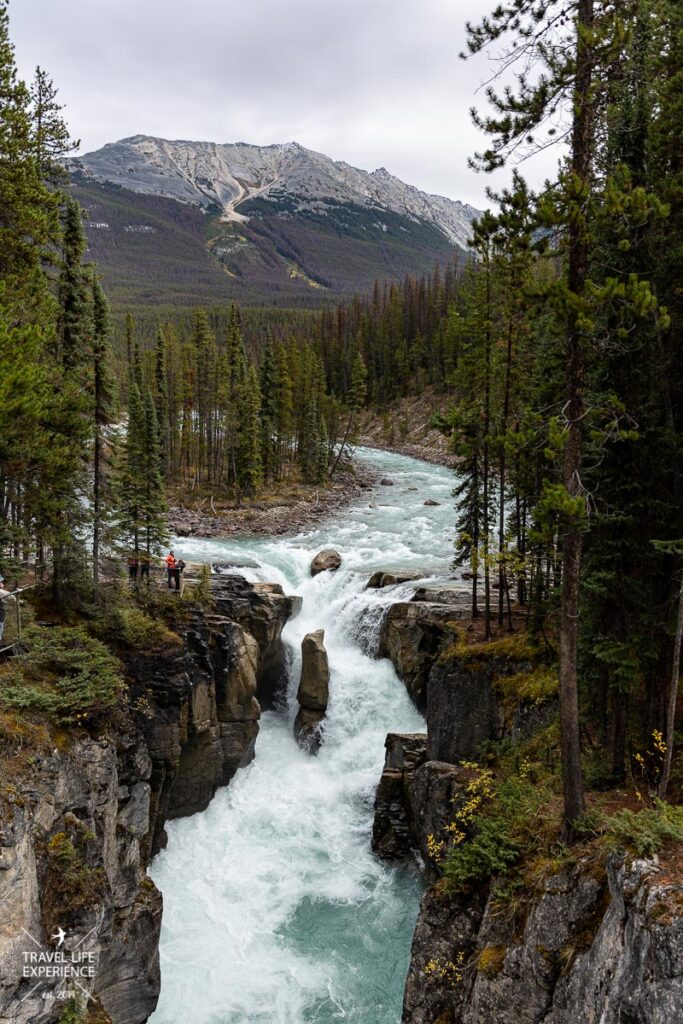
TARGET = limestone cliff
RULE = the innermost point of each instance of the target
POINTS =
(82, 821)
(595, 946)
(597, 938)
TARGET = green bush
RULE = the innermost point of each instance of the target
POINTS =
(647, 831)
(73, 1012)
(491, 851)
(135, 629)
(71, 884)
(510, 826)
(64, 674)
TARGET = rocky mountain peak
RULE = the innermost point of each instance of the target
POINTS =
(229, 175)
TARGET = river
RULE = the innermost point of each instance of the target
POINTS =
(275, 910)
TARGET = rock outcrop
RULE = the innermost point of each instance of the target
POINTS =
(393, 836)
(72, 845)
(262, 609)
(415, 799)
(413, 633)
(327, 559)
(480, 693)
(201, 718)
(594, 948)
(313, 693)
(81, 823)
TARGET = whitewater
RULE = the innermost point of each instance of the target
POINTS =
(275, 909)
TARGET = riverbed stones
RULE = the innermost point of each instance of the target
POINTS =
(326, 560)
(313, 692)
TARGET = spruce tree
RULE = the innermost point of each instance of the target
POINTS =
(50, 135)
(250, 474)
(103, 395)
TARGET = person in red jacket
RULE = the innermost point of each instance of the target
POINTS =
(171, 567)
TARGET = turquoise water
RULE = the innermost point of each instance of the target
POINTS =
(275, 910)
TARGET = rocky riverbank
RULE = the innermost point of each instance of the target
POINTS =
(406, 428)
(288, 512)
(82, 820)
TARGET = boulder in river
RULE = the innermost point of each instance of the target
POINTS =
(388, 579)
(386, 482)
(327, 559)
(432, 503)
(314, 688)
(313, 692)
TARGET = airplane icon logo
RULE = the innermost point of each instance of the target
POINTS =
(59, 935)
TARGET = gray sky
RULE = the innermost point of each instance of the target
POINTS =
(372, 82)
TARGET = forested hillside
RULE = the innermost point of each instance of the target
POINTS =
(285, 249)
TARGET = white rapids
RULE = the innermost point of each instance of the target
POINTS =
(275, 910)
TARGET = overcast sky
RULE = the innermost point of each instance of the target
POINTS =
(373, 82)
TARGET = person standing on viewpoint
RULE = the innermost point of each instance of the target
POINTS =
(171, 568)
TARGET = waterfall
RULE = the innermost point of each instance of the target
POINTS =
(275, 910)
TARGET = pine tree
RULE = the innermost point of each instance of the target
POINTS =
(103, 393)
(154, 507)
(357, 397)
(269, 411)
(131, 479)
(250, 474)
(50, 135)
(161, 400)
(569, 69)
(73, 292)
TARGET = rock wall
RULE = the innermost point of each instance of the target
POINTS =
(412, 634)
(600, 942)
(78, 830)
(595, 947)
(72, 858)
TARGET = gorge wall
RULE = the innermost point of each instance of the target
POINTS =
(594, 939)
(84, 819)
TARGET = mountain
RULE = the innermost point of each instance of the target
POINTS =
(191, 222)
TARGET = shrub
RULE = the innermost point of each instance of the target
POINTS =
(648, 830)
(71, 884)
(73, 1012)
(64, 674)
(491, 851)
(508, 827)
(533, 687)
(135, 629)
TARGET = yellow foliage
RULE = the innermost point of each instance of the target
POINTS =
(445, 971)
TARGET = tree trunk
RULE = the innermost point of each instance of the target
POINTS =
(486, 466)
(673, 695)
(574, 801)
